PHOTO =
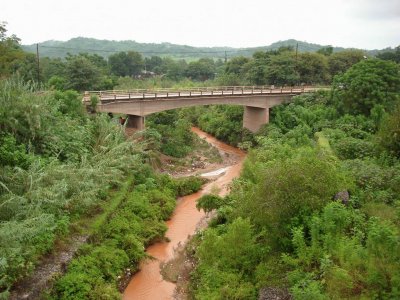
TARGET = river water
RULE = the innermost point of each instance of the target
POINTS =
(148, 283)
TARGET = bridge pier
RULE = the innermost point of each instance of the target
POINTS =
(136, 122)
(255, 117)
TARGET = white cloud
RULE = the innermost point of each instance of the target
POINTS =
(384, 10)
(350, 23)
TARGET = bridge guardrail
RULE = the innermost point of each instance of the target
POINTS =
(147, 94)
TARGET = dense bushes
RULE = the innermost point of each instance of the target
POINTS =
(120, 242)
(56, 166)
(189, 185)
(389, 133)
(175, 138)
(336, 254)
(225, 122)
(289, 188)
(227, 258)
(317, 248)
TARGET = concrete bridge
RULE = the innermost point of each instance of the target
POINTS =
(137, 104)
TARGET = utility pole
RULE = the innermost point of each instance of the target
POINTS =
(38, 64)
(297, 49)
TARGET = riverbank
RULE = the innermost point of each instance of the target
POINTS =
(148, 283)
(55, 263)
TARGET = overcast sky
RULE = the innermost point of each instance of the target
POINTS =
(367, 24)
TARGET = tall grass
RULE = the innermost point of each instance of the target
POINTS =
(73, 160)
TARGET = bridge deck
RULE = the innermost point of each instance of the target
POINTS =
(160, 94)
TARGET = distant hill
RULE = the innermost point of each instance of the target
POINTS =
(105, 48)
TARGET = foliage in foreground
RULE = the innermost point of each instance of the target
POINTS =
(56, 165)
(283, 213)
(120, 242)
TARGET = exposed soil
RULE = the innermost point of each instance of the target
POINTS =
(48, 268)
(274, 293)
(178, 269)
(204, 158)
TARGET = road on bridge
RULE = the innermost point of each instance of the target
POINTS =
(138, 94)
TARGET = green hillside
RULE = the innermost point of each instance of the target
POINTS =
(105, 48)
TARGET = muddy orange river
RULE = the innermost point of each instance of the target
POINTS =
(148, 283)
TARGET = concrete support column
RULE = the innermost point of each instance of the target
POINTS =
(255, 117)
(136, 122)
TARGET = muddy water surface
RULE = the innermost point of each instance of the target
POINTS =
(148, 283)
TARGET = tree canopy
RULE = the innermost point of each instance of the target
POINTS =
(128, 63)
(367, 84)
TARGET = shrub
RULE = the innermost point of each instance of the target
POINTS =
(289, 190)
(389, 133)
(352, 148)
(188, 185)
(209, 202)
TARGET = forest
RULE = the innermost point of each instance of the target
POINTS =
(315, 213)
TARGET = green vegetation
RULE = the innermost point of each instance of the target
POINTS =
(225, 122)
(172, 133)
(82, 70)
(370, 85)
(64, 172)
(316, 209)
(57, 166)
(119, 243)
(59, 49)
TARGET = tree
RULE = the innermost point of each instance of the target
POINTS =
(393, 55)
(96, 59)
(202, 70)
(10, 51)
(27, 67)
(126, 63)
(367, 84)
(81, 73)
(235, 65)
(255, 71)
(153, 63)
(339, 62)
(281, 69)
(172, 69)
(52, 67)
(312, 68)
(70, 103)
(57, 83)
(326, 50)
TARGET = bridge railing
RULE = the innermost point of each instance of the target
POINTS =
(143, 94)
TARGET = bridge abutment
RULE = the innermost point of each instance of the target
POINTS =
(255, 117)
(136, 122)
